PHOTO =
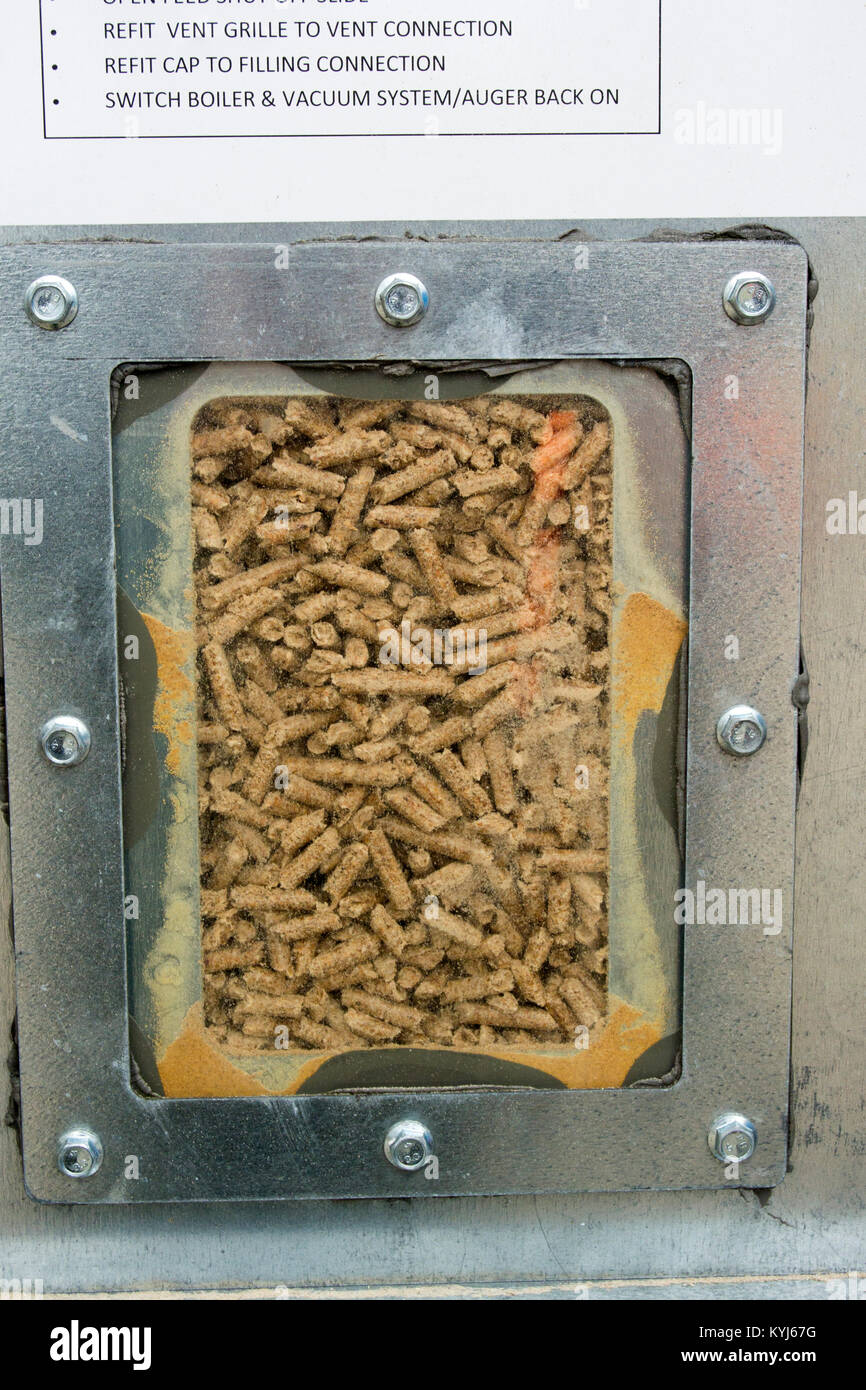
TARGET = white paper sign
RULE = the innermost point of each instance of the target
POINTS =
(747, 110)
(117, 68)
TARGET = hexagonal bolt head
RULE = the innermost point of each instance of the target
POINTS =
(65, 740)
(79, 1154)
(732, 1138)
(741, 730)
(51, 302)
(749, 297)
(401, 300)
(408, 1145)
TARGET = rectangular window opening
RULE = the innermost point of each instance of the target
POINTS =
(401, 666)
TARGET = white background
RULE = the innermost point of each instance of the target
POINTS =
(801, 64)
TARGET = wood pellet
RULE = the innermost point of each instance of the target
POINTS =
(403, 618)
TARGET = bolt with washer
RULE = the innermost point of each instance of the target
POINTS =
(65, 740)
(79, 1153)
(408, 1145)
(732, 1138)
(51, 302)
(741, 730)
(749, 297)
(402, 300)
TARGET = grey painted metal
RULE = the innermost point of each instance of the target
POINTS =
(800, 1241)
(158, 303)
(806, 1238)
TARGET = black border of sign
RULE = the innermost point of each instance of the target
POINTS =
(368, 135)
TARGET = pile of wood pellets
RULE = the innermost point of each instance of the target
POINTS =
(397, 849)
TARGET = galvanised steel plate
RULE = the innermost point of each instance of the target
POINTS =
(488, 301)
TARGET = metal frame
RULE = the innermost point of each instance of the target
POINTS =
(650, 557)
(488, 300)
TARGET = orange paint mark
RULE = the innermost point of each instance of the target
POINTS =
(174, 687)
(542, 579)
(612, 1051)
(193, 1066)
(549, 460)
(647, 638)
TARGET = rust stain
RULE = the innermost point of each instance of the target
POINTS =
(647, 637)
(174, 687)
(193, 1067)
(610, 1055)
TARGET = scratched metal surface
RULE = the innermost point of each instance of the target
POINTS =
(634, 300)
(776, 1245)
